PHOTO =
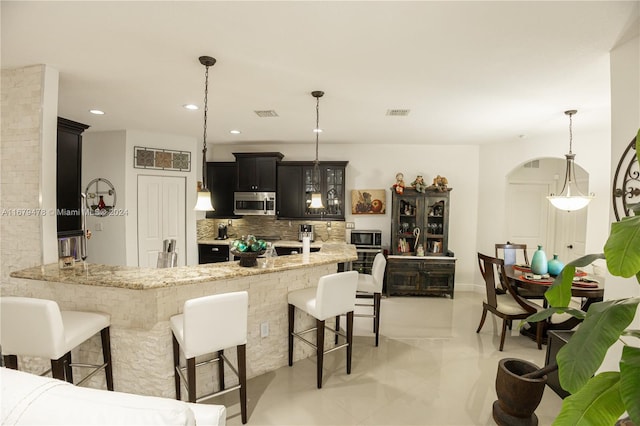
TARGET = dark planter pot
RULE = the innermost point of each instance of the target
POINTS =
(518, 397)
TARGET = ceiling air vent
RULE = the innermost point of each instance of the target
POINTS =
(266, 113)
(398, 112)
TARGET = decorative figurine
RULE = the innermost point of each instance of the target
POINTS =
(399, 185)
(419, 184)
(439, 183)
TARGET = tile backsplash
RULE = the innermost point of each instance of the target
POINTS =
(271, 228)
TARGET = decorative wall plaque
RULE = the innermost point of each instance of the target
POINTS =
(161, 159)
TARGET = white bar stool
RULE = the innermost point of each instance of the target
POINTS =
(335, 295)
(370, 287)
(209, 325)
(37, 327)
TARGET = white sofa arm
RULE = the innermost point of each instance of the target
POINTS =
(31, 399)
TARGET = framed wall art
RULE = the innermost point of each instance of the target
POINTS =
(161, 159)
(368, 201)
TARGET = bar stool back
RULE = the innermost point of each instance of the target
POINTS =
(209, 325)
(335, 295)
(37, 327)
(370, 287)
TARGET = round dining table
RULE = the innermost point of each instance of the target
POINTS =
(588, 289)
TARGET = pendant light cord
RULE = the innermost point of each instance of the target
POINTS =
(204, 133)
(570, 132)
(317, 126)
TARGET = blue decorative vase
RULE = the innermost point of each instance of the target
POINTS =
(555, 266)
(539, 264)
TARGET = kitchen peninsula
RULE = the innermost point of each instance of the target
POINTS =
(141, 301)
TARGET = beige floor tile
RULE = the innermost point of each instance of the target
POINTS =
(431, 368)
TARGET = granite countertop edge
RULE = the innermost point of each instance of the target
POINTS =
(136, 278)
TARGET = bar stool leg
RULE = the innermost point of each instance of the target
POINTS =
(349, 340)
(58, 367)
(191, 379)
(11, 361)
(291, 320)
(337, 328)
(319, 349)
(176, 365)
(68, 371)
(105, 336)
(376, 320)
(242, 377)
(221, 369)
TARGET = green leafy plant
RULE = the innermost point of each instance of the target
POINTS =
(600, 399)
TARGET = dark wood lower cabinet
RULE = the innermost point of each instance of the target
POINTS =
(411, 276)
(213, 253)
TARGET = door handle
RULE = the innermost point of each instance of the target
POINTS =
(570, 246)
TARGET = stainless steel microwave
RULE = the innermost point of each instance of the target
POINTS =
(254, 203)
(366, 238)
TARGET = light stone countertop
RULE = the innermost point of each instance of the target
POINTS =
(135, 278)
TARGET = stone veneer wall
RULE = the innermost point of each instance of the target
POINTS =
(20, 170)
(271, 228)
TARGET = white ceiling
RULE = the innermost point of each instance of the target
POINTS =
(470, 72)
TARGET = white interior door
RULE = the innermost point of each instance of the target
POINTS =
(528, 217)
(161, 215)
(571, 230)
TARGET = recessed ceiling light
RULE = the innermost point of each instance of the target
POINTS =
(96, 112)
(191, 107)
(235, 132)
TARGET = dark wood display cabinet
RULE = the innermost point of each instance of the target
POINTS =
(420, 220)
(295, 186)
(256, 171)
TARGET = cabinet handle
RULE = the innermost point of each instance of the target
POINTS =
(215, 249)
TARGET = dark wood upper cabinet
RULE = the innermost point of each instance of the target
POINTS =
(257, 171)
(295, 186)
(289, 196)
(221, 181)
(69, 176)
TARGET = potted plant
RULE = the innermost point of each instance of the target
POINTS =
(601, 398)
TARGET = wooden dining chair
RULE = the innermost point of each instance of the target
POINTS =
(508, 306)
(512, 253)
(515, 254)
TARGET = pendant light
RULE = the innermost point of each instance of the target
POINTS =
(204, 196)
(316, 196)
(570, 198)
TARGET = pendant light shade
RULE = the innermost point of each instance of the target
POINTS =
(203, 202)
(316, 196)
(570, 198)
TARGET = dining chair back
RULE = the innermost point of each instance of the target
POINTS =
(509, 305)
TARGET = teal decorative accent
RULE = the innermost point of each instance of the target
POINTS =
(555, 266)
(539, 264)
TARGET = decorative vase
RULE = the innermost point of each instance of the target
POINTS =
(539, 264)
(555, 266)
(518, 396)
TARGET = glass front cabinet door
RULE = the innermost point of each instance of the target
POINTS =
(331, 182)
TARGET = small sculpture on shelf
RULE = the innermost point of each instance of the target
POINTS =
(439, 183)
(419, 184)
(399, 185)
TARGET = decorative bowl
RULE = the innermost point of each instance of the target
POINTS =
(247, 258)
